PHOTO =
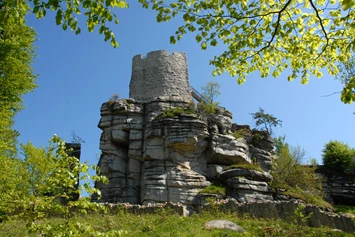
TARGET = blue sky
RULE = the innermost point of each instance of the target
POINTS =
(77, 73)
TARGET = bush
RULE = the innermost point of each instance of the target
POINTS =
(209, 108)
(214, 189)
(169, 113)
(291, 177)
(253, 166)
(340, 156)
(241, 133)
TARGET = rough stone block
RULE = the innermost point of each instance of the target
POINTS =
(119, 136)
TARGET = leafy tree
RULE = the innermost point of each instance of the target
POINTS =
(16, 73)
(269, 36)
(347, 73)
(209, 94)
(44, 184)
(16, 79)
(97, 13)
(265, 121)
(211, 91)
(340, 156)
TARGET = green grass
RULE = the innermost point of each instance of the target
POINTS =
(169, 113)
(253, 166)
(169, 224)
(345, 209)
(214, 189)
(307, 197)
(241, 133)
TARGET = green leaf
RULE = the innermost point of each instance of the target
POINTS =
(198, 38)
(64, 26)
(35, 9)
(346, 4)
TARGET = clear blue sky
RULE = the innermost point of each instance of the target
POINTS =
(78, 73)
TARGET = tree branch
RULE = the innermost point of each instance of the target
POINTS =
(338, 92)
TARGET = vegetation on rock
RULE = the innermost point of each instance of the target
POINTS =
(252, 166)
(292, 178)
(214, 189)
(265, 121)
(242, 133)
(176, 111)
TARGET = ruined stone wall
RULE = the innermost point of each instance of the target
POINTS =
(159, 74)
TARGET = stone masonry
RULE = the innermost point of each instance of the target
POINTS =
(159, 74)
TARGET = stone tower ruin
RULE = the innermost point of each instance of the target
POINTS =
(157, 146)
(159, 74)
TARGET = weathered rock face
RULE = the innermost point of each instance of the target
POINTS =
(153, 152)
(339, 187)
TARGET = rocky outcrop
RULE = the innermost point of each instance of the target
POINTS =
(153, 154)
(160, 147)
(339, 186)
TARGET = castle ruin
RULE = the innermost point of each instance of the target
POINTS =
(152, 157)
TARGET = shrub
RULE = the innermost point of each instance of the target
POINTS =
(294, 179)
(113, 98)
(253, 166)
(209, 108)
(214, 189)
(169, 113)
(241, 133)
(340, 156)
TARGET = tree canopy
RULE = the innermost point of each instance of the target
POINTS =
(265, 121)
(16, 72)
(306, 37)
(211, 91)
(97, 13)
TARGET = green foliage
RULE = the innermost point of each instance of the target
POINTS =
(16, 79)
(265, 121)
(299, 38)
(16, 73)
(253, 166)
(214, 189)
(307, 196)
(209, 108)
(147, 225)
(176, 111)
(113, 98)
(97, 13)
(347, 76)
(345, 209)
(299, 215)
(211, 91)
(294, 179)
(340, 156)
(241, 133)
(45, 185)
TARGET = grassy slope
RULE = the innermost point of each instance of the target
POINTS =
(168, 224)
